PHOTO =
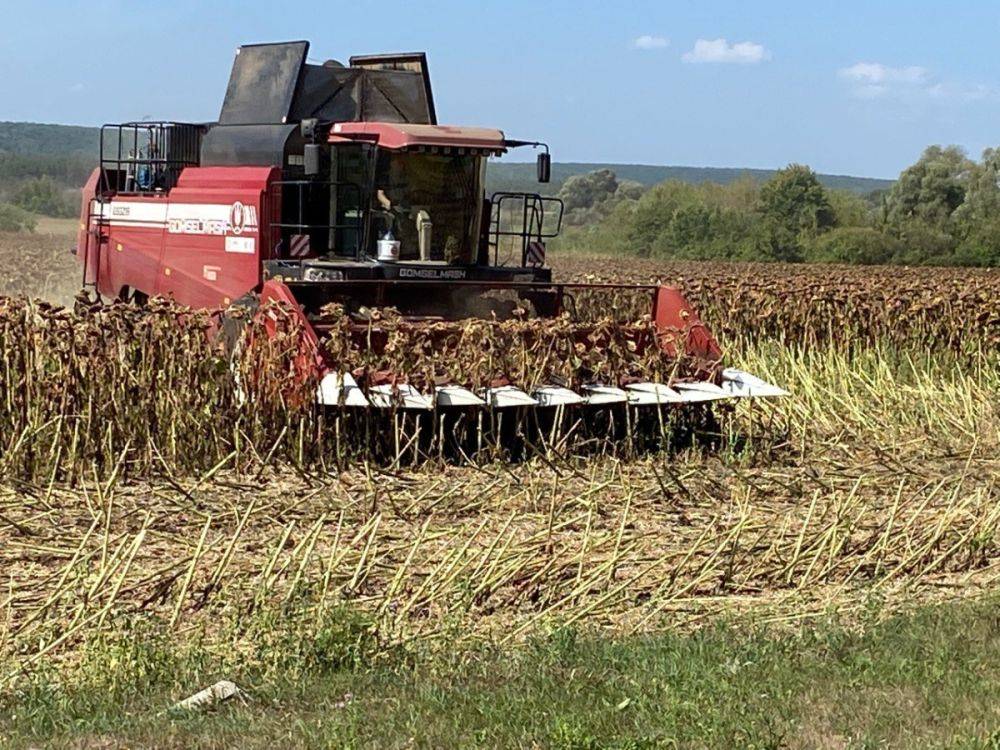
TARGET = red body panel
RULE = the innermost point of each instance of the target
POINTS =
(674, 317)
(200, 243)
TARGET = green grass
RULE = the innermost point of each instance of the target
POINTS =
(930, 678)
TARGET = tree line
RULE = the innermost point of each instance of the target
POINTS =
(943, 210)
(39, 184)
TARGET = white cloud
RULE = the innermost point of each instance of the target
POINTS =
(872, 80)
(76, 88)
(877, 74)
(721, 51)
(648, 41)
(962, 92)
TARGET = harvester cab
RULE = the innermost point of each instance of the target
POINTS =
(330, 185)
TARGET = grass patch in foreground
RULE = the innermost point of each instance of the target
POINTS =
(926, 679)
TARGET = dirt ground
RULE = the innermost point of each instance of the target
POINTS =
(40, 264)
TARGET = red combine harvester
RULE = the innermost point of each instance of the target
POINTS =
(335, 184)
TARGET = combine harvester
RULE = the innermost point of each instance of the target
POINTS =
(333, 187)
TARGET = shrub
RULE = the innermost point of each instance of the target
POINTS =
(770, 240)
(861, 245)
(923, 244)
(42, 195)
(14, 219)
(701, 232)
(850, 209)
(585, 190)
(981, 247)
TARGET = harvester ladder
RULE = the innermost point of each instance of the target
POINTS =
(97, 238)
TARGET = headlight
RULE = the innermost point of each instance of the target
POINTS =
(322, 274)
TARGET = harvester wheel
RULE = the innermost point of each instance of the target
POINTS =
(137, 298)
(234, 320)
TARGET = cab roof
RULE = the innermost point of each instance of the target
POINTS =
(396, 135)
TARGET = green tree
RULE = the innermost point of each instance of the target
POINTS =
(770, 240)
(981, 245)
(584, 190)
(981, 202)
(655, 211)
(630, 190)
(849, 209)
(742, 194)
(924, 244)
(588, 198)
(931, 190)
(703, 231)
(795, 200)
(944, 210)
(42, 195)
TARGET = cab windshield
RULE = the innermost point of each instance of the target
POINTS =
(431, 202)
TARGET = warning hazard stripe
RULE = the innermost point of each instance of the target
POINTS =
(535, 254)
(298, 245)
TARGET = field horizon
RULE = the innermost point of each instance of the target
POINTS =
(80, 143)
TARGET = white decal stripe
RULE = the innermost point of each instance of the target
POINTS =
(187, 218)
(206, 212)
(130, 211)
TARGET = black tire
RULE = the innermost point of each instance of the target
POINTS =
(234, 321)
(128, 294)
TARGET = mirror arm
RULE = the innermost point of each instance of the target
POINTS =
(509, 143)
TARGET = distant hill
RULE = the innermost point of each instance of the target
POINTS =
(31, 148)
(66, 153)
(25, 138)
(515, 176)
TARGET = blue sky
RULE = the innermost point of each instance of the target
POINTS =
(849, 87)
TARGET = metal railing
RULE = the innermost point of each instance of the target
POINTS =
(525, 216)
(147, 157)
(302, 200)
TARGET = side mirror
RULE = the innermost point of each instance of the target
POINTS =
(544, 167)
(310, 159)
(308, 128)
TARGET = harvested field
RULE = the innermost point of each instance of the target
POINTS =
(495, 556)
(146, 500)
(850, 492)
(41, 264)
